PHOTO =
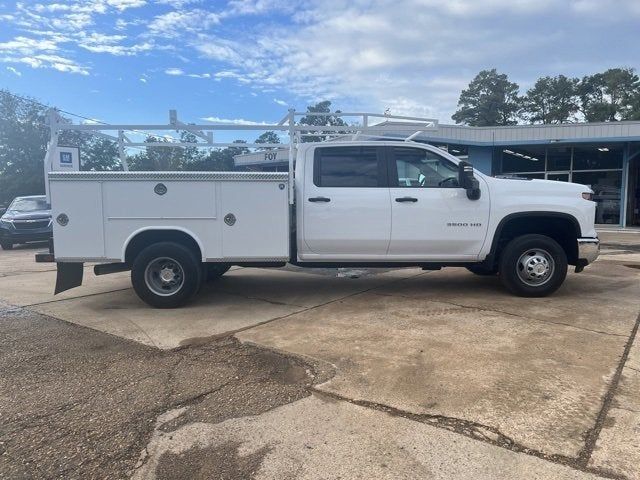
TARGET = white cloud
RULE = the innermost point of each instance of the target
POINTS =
(280, 102)
(220, 49)
(254, 7)
(26, 45)
(55, 62)
(233, 121)
(176, 23)
(178, 4)
(414, 59)
(14, 71)
(143, 80)
(176, 72)
(122, 5)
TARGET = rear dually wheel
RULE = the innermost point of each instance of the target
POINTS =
(166, 275)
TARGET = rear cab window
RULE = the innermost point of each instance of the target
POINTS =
(352, 166)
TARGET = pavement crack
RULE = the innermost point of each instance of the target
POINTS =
(591, 436)
(468, 428)
(525, 317)
(204, 340)
(74, 298)
(272, 302)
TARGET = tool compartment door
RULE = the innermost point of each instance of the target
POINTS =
(254, 218)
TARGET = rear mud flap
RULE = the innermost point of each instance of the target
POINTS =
(69, 276)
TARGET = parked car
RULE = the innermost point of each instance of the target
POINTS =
(27, 219)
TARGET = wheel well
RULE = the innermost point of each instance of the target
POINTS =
(563, 229)
(148, 237)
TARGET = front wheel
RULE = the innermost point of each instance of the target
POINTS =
(533, 266)
(166, 275)
(6, 245)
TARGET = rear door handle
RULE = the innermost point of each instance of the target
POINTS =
(319, 199)
(407, 199)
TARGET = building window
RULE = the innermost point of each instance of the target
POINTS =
(597, 166)
(597, 158)
(460, 151)
(559, 158)
(606, 186)
(516, 159)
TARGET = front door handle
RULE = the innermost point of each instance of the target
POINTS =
(407, 199)
(319, 199)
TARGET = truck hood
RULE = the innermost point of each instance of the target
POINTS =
(543, 185)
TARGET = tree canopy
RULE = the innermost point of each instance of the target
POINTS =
(551, 100)
(490, 99)
(321, 120)
(610, 96)
(23, 143)
(493, 100)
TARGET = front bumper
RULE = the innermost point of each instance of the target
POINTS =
(588, 252)
(27, 235)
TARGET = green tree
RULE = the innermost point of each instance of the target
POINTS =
(23, 143)
(551, 100)
(610, 96)
(634, 114)
(491, 99)
(161, 158)
(268, 137)
(218, 160)
(23, 140)
(323, 107)
(100, 154)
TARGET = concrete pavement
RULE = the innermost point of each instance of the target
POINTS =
(320, 438)
(488, 385)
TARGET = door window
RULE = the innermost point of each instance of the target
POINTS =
(422, 168)
(348, 167)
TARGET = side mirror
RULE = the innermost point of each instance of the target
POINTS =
(467, 180)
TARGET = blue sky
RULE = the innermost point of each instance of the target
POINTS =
(131, 60)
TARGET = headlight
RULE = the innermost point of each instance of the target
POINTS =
(587, 196)
(6, 221)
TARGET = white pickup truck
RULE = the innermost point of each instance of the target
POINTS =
(357, 203)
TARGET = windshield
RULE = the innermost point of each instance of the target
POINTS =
(29, 204)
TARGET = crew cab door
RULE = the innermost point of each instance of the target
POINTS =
(346, 204)
(432, 217)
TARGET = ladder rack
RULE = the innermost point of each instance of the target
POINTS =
(368, 125)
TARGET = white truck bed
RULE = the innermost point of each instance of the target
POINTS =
(127, 203)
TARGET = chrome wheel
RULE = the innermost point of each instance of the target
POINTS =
(164, 276)
(535, 267)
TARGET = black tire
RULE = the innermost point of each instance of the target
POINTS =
(173, 258)
(483, 270)
(213, 271)
(6, 245)
(533, 266)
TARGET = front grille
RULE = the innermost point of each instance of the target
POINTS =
(30, 224)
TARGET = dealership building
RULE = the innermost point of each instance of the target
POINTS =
(605, 156)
